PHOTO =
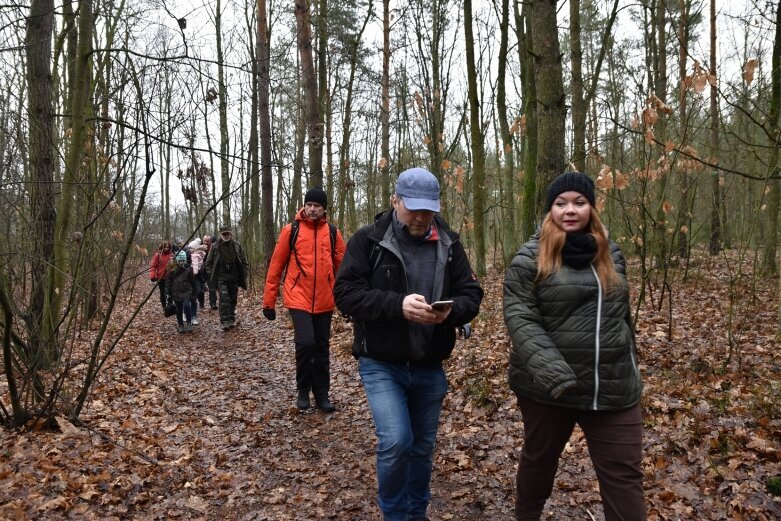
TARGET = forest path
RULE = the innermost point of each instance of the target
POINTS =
(231, 444)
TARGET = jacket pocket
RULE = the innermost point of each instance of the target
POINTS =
(386, 277)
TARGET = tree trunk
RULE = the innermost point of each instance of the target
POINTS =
(774, 196)
(478, 151)
(578, 103)
(222, 93)
(314, 125)
(684, 221)
(264, 51)
(524, 30)
(551, 102)
(659, 246)
(509, 240)
(385, 159)
(715, 220)
(346, 183)
(582, 97)
(40, 119)
(252, 231)
(323, 95)
(80, 106)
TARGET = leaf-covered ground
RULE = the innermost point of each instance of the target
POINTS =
(203, 426)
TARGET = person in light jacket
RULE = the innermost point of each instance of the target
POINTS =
(197, 253)
(573, 358)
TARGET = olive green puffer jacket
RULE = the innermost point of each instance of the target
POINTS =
(569, 337)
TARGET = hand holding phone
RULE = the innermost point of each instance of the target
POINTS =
(439, 305)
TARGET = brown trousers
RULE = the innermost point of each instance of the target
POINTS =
(615, 444)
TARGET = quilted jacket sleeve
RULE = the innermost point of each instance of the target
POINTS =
(537, 368)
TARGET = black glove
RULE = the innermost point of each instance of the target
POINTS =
(270, 313)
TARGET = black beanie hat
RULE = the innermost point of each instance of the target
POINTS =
(570, 182)
(316, 195)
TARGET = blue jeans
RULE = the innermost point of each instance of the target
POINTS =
(405, 402)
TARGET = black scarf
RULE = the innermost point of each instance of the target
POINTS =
(579, 250)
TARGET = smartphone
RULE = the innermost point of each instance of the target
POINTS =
(441, 304)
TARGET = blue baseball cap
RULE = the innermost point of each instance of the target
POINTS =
(419, 189)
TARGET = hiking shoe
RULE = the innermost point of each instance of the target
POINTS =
(302, 402)
(188, 327)
(324, 404)
(194, 321)
(225, 326)
(180, 329)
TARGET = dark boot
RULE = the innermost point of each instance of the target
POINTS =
(302, 402)
(324, 404)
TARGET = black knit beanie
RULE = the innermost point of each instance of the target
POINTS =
(570, 182)
(316, 195)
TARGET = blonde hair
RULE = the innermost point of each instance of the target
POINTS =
(552, 238)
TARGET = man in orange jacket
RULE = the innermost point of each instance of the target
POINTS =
(310, 262)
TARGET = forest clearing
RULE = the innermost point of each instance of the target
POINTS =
(203, 426)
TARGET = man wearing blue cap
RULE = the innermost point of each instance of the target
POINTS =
(391, 273)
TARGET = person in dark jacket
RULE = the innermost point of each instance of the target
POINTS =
(392, 272)
(573, 358)
(309, 273)
(180, 286)
(227, 267)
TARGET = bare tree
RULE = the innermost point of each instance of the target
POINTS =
(549, 85)
(314, 123)
(715, 220)
(264, 51)
(478, 148)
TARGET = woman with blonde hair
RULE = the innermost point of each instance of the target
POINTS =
(573, 358)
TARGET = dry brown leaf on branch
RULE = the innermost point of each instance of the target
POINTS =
(650, 117)
(748, 70)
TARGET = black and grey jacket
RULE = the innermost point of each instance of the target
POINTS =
(372, 283)
(569, 334)
(180, 283)
(216, 268)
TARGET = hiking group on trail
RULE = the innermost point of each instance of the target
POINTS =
(406, 284)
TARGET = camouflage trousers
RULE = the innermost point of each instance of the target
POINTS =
(228, 292)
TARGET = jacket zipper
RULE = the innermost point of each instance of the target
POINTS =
(596, 339)
(314, 270)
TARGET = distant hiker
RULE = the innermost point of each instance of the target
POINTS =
(178, 245)
(197, 253)
(157, 268)
(574, 358)
(227, 267)
(309, 250)
(392, 271)
(208, 240)
(180, 284)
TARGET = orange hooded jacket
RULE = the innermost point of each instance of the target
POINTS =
(309, 288)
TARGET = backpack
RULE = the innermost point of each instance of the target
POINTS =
(294, 228)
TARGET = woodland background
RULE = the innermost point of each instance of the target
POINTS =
(124, 123)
